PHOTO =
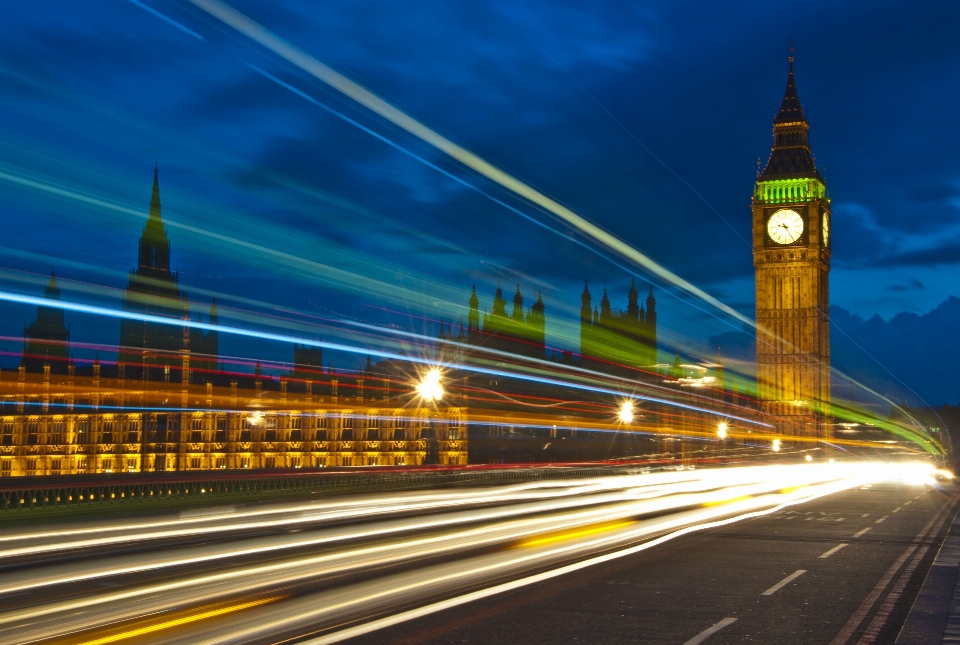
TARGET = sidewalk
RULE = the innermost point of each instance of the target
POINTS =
(935, 614)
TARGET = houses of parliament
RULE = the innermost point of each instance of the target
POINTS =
(167, 404)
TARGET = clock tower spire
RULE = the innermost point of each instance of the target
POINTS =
(791, 254)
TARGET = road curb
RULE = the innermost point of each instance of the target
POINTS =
(937, 605)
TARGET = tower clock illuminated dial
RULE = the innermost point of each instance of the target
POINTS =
(785, 226)
(826, 229)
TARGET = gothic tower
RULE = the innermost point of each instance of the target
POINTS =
(153, 289)
(45, 341)
(586, 321)
(791, 255)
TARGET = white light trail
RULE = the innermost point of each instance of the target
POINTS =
(675, 503)
(368, 99)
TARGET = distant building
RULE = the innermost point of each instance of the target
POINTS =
(155, 351)
(611, 337)
(307, 362)
(46, 340)
(520, 332)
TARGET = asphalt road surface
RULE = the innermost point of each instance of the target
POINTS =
(802, 575)
(808, 553)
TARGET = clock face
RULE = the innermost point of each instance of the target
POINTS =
(785, 226)
(826, 229)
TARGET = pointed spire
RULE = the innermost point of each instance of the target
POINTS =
(214, 312)
(605, 304)
(155, 197)
(790, 109)
(790, 156)
(53, 289)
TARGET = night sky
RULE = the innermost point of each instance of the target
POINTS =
(645, 117)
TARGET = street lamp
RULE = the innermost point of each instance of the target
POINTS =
(626, 412)
(776, 445)
(808, 458)
(722, 430)
(429, 387)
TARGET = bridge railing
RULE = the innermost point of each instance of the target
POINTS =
(24, 494)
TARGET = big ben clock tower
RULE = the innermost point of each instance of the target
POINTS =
(791, 255)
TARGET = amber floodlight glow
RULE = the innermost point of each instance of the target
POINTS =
(626, 412)
(429, 387)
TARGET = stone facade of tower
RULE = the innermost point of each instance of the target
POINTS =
(46, 340)
(151, 350)
(791, 251)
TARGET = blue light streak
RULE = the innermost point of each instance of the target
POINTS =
(339, 347)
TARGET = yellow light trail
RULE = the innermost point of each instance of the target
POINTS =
(733, 500)
(569, 535)
(179, 621)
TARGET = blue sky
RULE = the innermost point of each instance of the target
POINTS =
(647, 118)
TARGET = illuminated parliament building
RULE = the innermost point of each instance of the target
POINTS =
(166, 406)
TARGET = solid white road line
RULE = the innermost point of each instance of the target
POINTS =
(710, 631)
(783, 583)
(881, 519)
(832, 551)
(861, 532)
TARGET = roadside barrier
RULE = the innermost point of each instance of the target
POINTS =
(22, 494)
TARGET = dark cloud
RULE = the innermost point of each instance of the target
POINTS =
(912, 284)
(942, 255)
(545, 90)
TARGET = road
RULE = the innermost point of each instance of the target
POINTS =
(682, 589)
(778, 556)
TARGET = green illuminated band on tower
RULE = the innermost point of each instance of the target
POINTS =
(782, 191)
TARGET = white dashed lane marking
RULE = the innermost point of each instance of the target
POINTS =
(861, 532)
(833, 550)
(897, 509)
(881, 519)
(783, 583)
(710, 631)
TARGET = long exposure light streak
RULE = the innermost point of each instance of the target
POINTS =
(141, 631)
(309, 609)
(599, 514)
(644, 488)
(365, 97)
(376, 104)
(284, 338)
(396, 619)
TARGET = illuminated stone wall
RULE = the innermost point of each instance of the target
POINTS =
(93, 427)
